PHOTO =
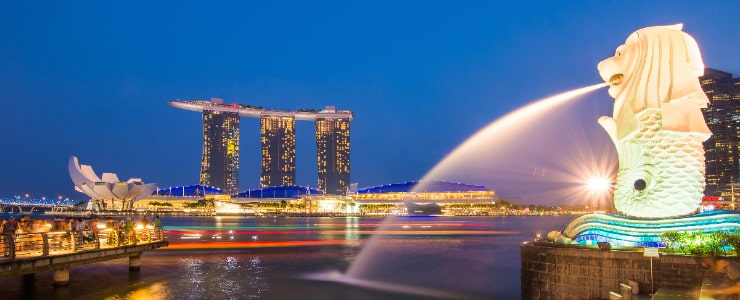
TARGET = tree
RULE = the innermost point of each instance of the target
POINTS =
(283, 204)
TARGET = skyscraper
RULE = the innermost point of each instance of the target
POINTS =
(332, 150)
(220, 164)
(722, 150)
(277, 131)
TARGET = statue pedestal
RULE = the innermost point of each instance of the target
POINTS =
(551, 271)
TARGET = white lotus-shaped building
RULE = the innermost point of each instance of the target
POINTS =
(107, 192)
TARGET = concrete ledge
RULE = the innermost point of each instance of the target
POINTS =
(552, 272)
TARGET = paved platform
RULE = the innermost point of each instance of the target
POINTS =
(673, 293)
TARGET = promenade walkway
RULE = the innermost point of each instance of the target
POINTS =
(29, 253)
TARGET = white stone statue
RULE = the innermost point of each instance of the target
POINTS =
(657, 124)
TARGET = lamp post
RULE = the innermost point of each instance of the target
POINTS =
(732, 192)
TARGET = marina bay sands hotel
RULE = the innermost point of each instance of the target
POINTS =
(220, 163)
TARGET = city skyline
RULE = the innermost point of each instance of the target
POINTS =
(723, 90)
(93, 80)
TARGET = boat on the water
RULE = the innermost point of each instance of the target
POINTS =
(430, 209)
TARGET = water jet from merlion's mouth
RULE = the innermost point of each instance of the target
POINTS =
(448, 267)
(543, 152)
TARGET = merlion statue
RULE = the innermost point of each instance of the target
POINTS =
(657, 124)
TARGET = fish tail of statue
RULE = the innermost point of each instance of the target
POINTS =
(661, 173)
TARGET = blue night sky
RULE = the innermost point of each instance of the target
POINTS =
(93, 79)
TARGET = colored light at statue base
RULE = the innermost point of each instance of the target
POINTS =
(633, 232)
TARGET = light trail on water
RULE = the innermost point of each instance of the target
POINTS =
(235, 237)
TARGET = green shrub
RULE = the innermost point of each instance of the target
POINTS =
(701, 243)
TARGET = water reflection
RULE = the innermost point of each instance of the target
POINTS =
(223, 277)
(352, 229)
(192, 269)
(256, 283)
(153, 291)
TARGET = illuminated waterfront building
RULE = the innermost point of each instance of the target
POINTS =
(279, 192)
(107, 192)
(438, 197)
(220, 164)
(431, 191)
(451, 198)
(196, 191)
(197, 198)
(277, 132)
(332, 152)
(723, 118)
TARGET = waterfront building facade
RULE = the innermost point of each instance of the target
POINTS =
(220, 163)
(722, 149)
(332, 153)
(449, 198)
(277, 132)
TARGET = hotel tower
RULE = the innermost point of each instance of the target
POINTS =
(332, 152)
(277, 132)
(220, 164)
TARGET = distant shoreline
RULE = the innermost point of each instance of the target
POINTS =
(89, 214)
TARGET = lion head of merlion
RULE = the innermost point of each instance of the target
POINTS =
(656, 68)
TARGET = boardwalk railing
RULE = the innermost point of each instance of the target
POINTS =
(31, 245)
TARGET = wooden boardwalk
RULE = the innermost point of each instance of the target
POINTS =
(35, 252)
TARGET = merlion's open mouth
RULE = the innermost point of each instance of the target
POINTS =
(616, 79)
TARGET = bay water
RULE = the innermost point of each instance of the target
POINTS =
(272, 257)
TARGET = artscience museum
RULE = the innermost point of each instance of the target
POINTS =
(107, 192)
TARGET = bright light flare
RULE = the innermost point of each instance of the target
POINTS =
(598, 184)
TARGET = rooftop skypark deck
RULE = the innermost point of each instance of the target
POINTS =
(258, 111)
